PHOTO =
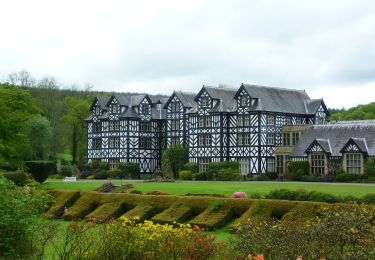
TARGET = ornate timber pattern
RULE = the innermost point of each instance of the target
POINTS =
(216, 125)
(126, 132)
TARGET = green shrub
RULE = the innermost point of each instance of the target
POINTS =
(303, 166)
(40, 169)
(67, 170)
(294, 175)
(107, 211)
(201, 176)
(62, 202)
(228, 174)
(186, 175)
(193, 167)
(271, 175)
(115, 173)
(213, 218)
(302, 195)
(177, 213)
(100, 175)
(261, 177)
(129, 169)
(369, 170)
(347, 177)
(18, 177)
(336, 232)
(141, 212)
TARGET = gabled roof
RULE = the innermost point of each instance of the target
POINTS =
(102, 101)
(186, 99)
(279, 99)
(322, 143)
(358, 142)
(224, 96)
(339, 134)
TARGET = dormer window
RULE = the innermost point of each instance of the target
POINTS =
(158, 107)
(114, 108)
(243, 101)
(97, 111)
(205, 102)
(175, 107)
(145, 109)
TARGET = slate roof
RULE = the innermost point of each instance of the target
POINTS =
(187, 99)
(130, 101)
(338, 134)
(281, 99)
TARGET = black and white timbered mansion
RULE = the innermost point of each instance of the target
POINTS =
(217, 124)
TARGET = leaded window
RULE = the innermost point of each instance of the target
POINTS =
(96, 143)
(243, 120)
(280, 161)
(204, 140)
(353, 163)
(175, 106)
(271, 165)
(175, 141)
(145, 143)
(97, 110)
(145, 108)
(286, 139)
(205, 102)
(243, 101)
(243, 139)
(203, 164)
(114, 108)
(175, 125)
(204, 121)
(317, 162)
(144, 126)
(270, 139)
(114, 142)
(114, 125)
(113, 162)
(244, 164)
(96, 127)
(270, 120)
(295, 138)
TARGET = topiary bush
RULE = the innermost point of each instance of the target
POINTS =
(129, 170)
(67, 170)
(228, 174)
(200, 176)
(40, 169)
(186, 175)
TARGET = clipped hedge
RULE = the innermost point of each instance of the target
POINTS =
(41, 169)
(212, 218)
(302, 166)
(141, 212)
(177, 213)
(63, 199)
(107, 211)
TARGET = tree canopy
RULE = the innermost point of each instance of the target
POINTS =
(360, 112)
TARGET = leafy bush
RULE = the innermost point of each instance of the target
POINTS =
(67, 170)
(347, 177)
(19, 212)
(100, 175)
(128, 169)
(18, 177)
(302, 195)
(271, 175)
(193, 167)
(186, 175)
(261, 177)
(369, 170)
(200, 176)
(136, 192)
(228, 174)
(40, 169)
(294, 175)
(115, 173)
(337, 232)
(369, 198)
(303, 166)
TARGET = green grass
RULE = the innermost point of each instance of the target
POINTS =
(226, 188)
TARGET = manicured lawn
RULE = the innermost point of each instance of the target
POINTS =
(226, 188)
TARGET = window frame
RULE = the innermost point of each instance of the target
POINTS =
(244, 166)
(203, 164)
(145, 143)
(114, 142)
(243, 101)
(96, 143)
(317, 163)
(270, 139)
(145, 126)
(113, 162)
(270, 120)
(145, 108)
(353, 165)
(96, 127)
(205, 102)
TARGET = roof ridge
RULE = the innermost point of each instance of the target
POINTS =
(278, 88)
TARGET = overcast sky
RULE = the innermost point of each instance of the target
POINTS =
(325, 47)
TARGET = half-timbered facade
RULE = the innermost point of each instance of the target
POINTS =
(217, 124)
(176, 117)
(339, 146)
(127, 128)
